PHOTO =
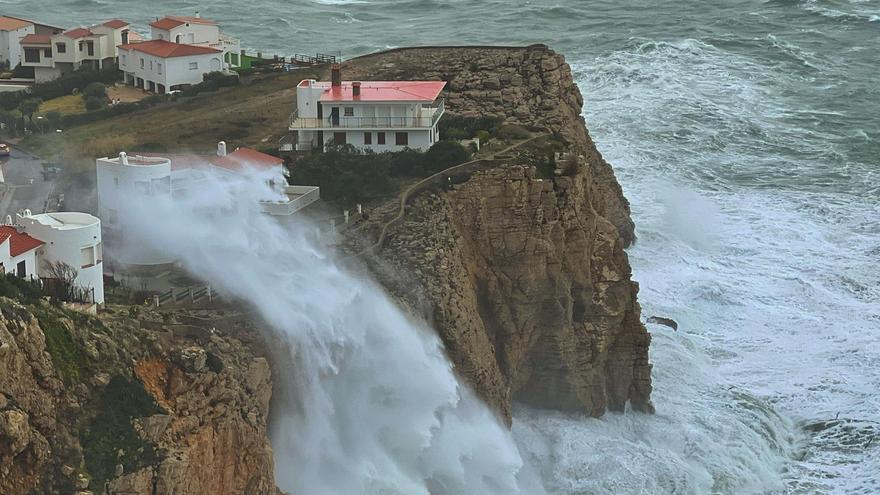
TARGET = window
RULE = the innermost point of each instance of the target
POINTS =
(193, 66)
(380, 138)
(124, 59)
(47, 53)
(32, 55)
(339, 138)
(81, 45)
(87, 256)
(91, 46)
(142, 63)
(61, 47)
(368, 138)
(401, 138)
(159, 68)
(348, 111)
(21, 269)
(151, 65)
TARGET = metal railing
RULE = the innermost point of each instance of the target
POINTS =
(340, 122)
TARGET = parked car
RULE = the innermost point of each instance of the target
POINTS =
(4, 149)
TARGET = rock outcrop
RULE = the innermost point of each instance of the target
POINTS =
(95, 404)
(525, 278)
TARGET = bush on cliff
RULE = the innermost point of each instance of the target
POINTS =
(346, 174)
(19, 289)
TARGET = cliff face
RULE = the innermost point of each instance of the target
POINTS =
(525, 279)
(88, 403)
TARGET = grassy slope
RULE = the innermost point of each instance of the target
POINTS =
(254, 114)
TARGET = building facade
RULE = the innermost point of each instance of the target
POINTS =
(12, 30)
(71, 238)
(375, 115)
(18, 252)
(52, 55)
(197, 31)
(160, 66)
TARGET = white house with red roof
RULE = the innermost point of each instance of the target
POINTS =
(376, 115)
(160, 66)
(196, 30)
(52, 55)
(12, 30)
(18, 252)
(154, 178)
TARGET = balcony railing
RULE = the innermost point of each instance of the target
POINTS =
(429, 117)
(298, 197)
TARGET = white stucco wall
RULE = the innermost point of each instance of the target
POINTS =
(126, 196)
(190, 34)
(10, 44)
(66, 236)
(174, 70)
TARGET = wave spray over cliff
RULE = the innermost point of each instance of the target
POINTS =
(370, 403)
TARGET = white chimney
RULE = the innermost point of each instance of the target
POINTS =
(221, 148)
(198, 15)
(123, 158)
(8, 220)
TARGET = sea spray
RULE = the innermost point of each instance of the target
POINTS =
(370, 403)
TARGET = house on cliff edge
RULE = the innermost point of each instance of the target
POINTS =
(375, 115)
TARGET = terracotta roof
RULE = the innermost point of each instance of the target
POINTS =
(172, 21)
(37, 39)
(235, 161)
(416, 91)
(115, 24)
(11, 23)
(77, 33)
(19, 243)
(167, 49)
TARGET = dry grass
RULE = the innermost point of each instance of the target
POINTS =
(125, 94)
(66, 105)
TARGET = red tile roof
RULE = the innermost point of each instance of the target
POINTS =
(37, 39)
(12, 24)
(167, 49)
(115, 24)
(415, 91)
(19, 243)
(235, 161)
(172, 21)
(77, 33)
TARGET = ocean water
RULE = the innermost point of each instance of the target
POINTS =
(745, 134)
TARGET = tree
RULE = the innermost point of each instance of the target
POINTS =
(29, 107)
(442, 155)
(95, 90)
(63, 278)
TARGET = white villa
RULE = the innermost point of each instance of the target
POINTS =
(376, 115)
(155, 178)
(197, 31)
(160, 66)
(12, 30)
(52, 55)
(29, 246)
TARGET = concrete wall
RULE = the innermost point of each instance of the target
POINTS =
(45, 74)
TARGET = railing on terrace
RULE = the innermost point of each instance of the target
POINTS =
(298, 198)
(318, 58)
(429, 117)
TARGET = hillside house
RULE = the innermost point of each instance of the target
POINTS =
(197, 31)
(52, 55)
(376, 115)
(18, 252)
(12, 30)
(160, 66)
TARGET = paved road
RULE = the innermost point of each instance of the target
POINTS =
(23, 185)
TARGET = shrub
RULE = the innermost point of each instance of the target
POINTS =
(459, 127)
(345, 173)
(442, 155)
(62, 86)
(95, 103)
(67, 357)
(20, 289)
(406, 163)
(95, 90)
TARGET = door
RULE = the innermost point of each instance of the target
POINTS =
(334, 116)
(21, 269)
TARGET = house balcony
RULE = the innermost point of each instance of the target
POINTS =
(429, 116)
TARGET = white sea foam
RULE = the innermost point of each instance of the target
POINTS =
(367, 401)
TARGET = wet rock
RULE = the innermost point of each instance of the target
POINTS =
(660, 320)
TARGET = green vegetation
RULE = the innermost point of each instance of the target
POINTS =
(541, 154)
(347, 174)
(459, 127)
(109, 438)
(63, 86)
(19, 289)
(67, 356)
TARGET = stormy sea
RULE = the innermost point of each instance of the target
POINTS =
(746, 135)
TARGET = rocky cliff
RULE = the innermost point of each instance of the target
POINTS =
(130, 404)
(525, 278)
